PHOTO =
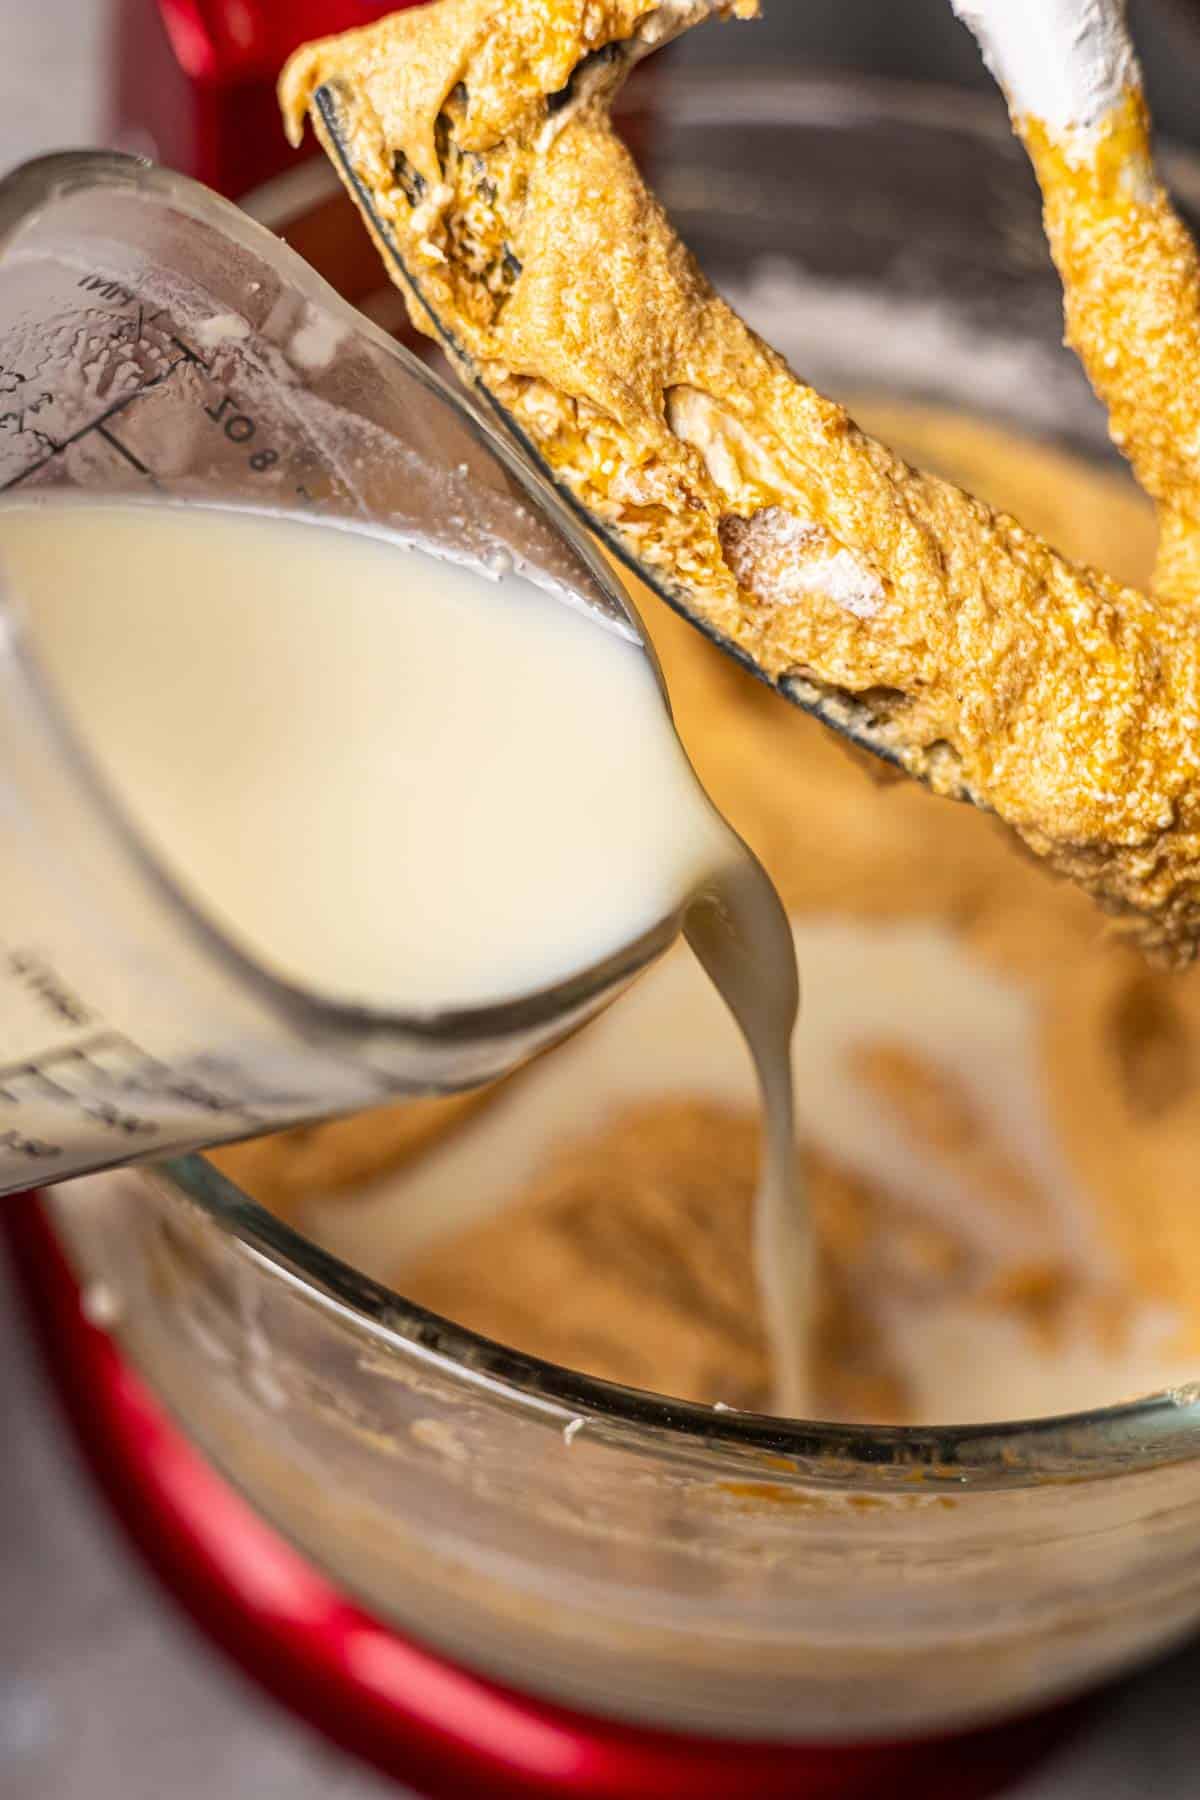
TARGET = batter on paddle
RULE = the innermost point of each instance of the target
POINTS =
(931, 627)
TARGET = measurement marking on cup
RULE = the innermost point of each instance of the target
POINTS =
(98, 424)
(110, 438)
(37, 975)
(14, 420)
(47, 1081)
(240, 428)
(120, 295)
(149, 326)
(190, 355)
(108, 289)
(104, 1112)
(86, 1049)
(56, 449)
(36, 1149)
(127, 1072)
(134, 330)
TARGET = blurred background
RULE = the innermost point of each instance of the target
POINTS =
(920, 40)
(109, 71)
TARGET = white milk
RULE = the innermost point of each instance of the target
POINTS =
(386, 777)
(395, 782)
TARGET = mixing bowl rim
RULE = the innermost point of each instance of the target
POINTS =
(1133, 1436)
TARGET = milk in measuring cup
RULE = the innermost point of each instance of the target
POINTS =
(393, 782)
(386, 777)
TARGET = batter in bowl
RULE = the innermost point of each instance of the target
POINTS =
(998, 1101)
(477, 138)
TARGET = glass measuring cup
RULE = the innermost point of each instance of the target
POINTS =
(154, 340)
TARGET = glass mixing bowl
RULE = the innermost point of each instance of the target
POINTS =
(662, 1562)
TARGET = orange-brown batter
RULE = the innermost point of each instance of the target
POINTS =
(891, 601)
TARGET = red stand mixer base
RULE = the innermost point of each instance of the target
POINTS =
(432, 1725)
